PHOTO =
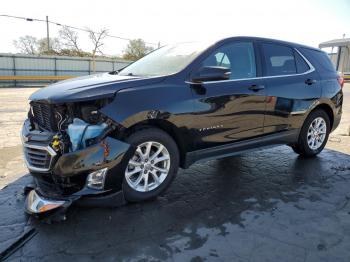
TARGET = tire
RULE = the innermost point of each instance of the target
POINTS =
(141, 139)
(305, 147)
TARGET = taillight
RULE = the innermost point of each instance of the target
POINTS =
(341, 81)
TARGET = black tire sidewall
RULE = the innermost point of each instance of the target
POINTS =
(156, 135)
(303, 134)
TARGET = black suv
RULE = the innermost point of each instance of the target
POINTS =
(124, 134)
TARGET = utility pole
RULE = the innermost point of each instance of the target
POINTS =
(47, 34)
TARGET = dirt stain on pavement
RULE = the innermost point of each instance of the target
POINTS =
(11, 165)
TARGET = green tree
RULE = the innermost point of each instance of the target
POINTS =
(136, 49)
(72, 52)
(55, 46)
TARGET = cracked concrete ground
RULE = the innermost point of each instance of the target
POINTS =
(268, 205)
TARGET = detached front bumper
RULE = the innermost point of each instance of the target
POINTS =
(42, 206)
(95, 172)
(36, 204)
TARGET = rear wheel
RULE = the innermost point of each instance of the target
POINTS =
(152, 167)
(313, 135)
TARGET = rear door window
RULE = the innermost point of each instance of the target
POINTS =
(279, 60)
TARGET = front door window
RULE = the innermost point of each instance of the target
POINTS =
(238, 57)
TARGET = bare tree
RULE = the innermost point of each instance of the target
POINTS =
(97, 39)
(27, 44)
(70, 38)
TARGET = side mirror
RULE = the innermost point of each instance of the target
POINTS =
(211, 73)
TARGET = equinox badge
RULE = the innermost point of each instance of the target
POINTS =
(210, 128)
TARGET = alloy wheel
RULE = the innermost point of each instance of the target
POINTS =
(149, 167)
(316, 133)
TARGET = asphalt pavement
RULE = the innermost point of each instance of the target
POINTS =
(268, 205)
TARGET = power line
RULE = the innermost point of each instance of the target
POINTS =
(69, 26)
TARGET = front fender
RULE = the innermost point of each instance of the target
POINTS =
(169, 103)
(163, 101)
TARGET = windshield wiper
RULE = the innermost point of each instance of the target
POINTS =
(132, 74)
(114, 72)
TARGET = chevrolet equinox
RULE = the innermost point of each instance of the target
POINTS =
(126, 133)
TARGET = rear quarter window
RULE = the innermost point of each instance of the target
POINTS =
(302, 66)
(319, 60)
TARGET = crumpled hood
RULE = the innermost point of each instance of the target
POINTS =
(89, 88)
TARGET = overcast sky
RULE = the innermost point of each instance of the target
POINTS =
(307, 22)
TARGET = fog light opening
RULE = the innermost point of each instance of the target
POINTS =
(96, 180)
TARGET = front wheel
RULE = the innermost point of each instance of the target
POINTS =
(152, 167)
(313, 135)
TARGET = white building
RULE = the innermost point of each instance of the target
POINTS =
(339, 52)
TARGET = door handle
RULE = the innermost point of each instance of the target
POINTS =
(256, 88)
(310, 81)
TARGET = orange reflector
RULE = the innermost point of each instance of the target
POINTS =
(341, 81)
(48, 207)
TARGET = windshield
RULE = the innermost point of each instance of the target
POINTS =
(165, 60)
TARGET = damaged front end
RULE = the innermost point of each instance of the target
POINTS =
(74, 153)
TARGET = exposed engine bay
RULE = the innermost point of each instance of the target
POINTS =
(70, 150)
(74, 126)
